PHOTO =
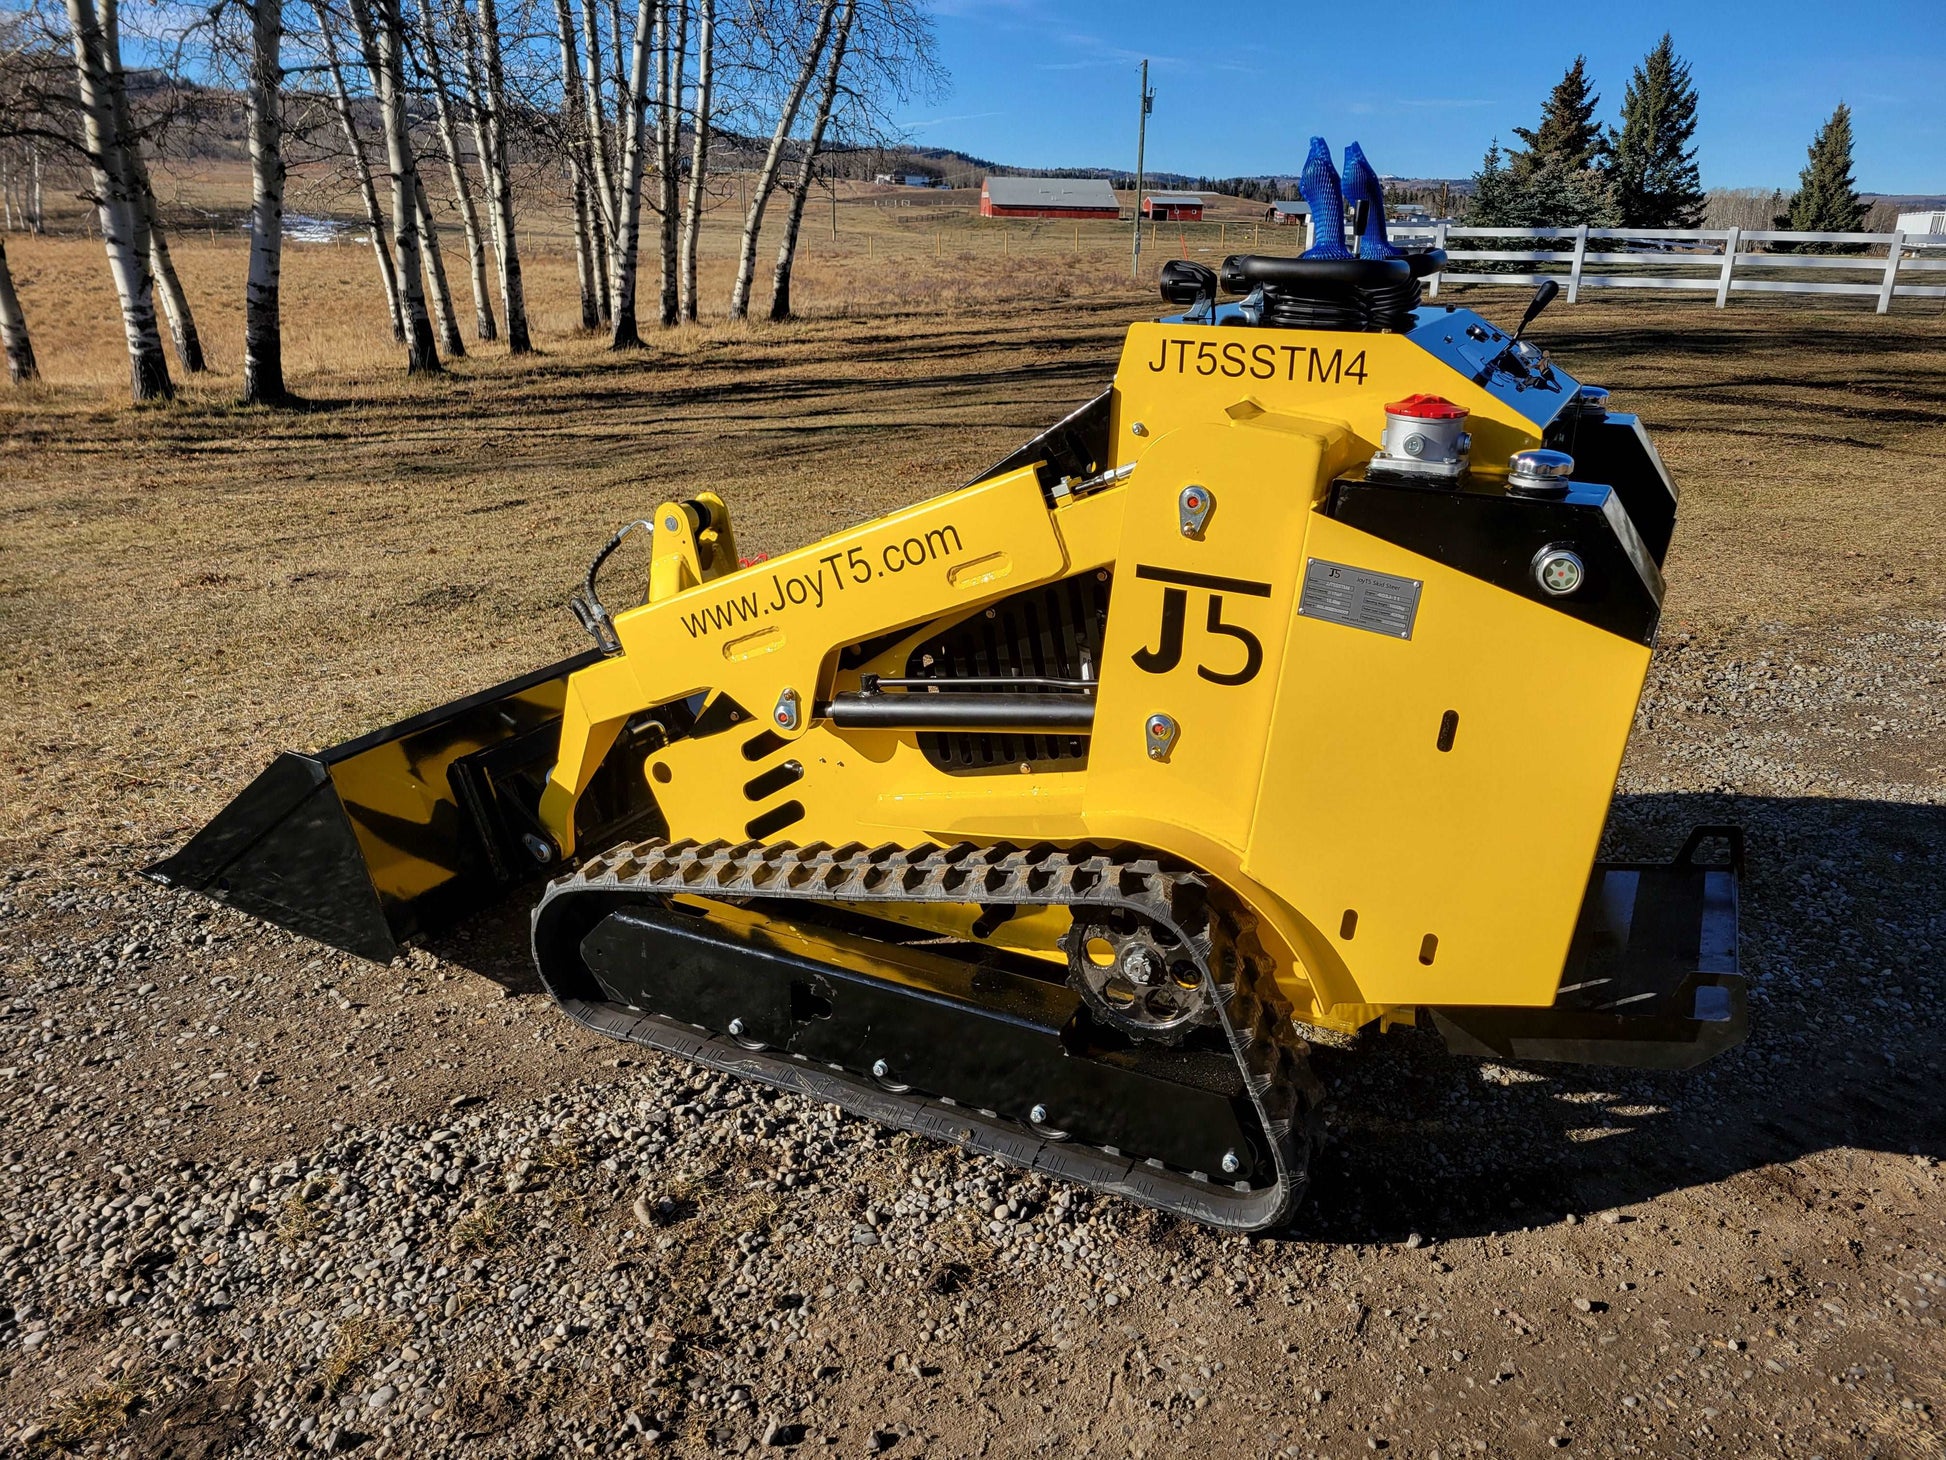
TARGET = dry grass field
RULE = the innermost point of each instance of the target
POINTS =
(185, 589)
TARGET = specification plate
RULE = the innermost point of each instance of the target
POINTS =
(1359, 598)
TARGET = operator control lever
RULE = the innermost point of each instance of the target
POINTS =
(1543, 296)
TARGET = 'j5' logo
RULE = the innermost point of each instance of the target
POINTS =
(1167, 653)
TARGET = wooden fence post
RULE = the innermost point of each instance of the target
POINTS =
(1731, 242)
(1574, 267)
(1891, 273)
(1438, 242)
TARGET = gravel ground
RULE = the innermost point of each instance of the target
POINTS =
(259, 1198)
(266, 1197)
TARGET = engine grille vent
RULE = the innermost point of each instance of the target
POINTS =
(1053, 632)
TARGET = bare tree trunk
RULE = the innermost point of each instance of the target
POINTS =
(382, 21)
(629, 212)
(675, 35)
(118, 202)
(601, 181)
(573, 106)
(753, 220)
(361, 166)
(489, 105)
(585, 263)
(175, 303)
(780, 284)
(699, 154)
(13, 328)
(606, 198)
(604, 263)
(36, 215)
(618, 76)
(469, 51)
(483, 323)
(442, 297)
(263, 335)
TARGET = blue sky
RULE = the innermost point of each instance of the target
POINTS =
(1242, 85)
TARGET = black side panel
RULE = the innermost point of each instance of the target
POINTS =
(1616, 451)
(284, 851)
(1074, 447)
(1481, 529)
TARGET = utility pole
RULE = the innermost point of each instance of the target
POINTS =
(1141, 147)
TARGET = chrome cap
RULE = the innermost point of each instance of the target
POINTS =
(1593, 400)
(1540, 472)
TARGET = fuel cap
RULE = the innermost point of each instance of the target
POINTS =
(1540, 473)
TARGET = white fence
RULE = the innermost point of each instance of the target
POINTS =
(1721, 261)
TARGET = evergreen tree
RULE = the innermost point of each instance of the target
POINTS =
(1652, 166)
(1568, 134)
(1826, 200)
(1496, 195)
(1555, 195)
(1550, 195)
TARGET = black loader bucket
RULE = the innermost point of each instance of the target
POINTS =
(399, 832)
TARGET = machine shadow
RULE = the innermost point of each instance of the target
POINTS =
(1843, 913)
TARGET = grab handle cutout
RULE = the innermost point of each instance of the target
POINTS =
(1448, 728)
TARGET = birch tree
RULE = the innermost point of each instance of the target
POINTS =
(13, 328)
(488, 104)
(484, 327)
(263, 335)
(162, 266)
(793, 102)
(444, 317)
(699, 153)
(362, 170)
(628, 210)
(780, 284)
(21, 176)
(675, 31)
(117, 195)
(605, 196)
(381, 19)
(575, 143)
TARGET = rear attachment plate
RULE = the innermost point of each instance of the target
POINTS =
(1652, 978)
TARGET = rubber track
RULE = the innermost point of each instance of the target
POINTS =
(1236, 975)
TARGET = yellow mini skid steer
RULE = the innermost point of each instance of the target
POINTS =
(1284, 683)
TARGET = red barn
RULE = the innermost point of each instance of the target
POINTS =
(1048, 197)
(1174, 207)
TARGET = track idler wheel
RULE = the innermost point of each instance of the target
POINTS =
(1137, 978)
